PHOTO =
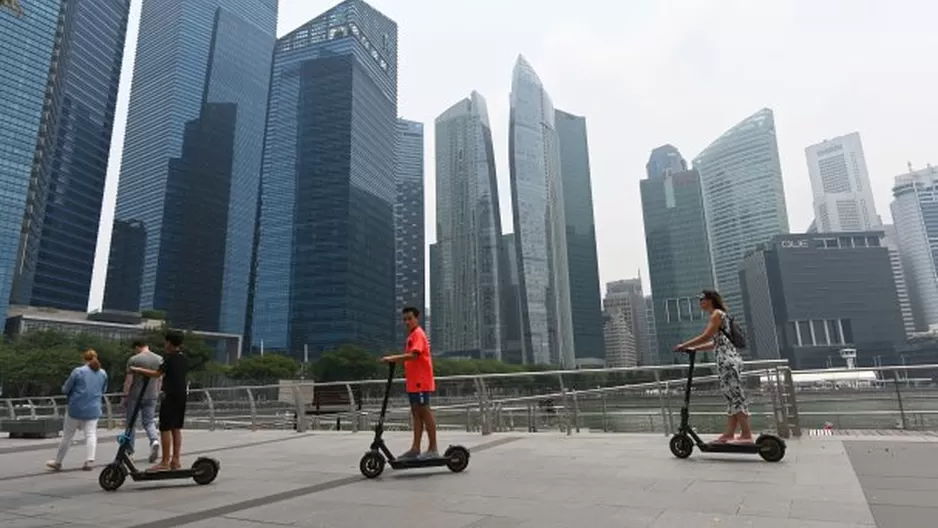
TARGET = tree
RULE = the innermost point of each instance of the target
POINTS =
(347, 363)
(269, 367)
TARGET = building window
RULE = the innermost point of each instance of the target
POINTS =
(820, 332)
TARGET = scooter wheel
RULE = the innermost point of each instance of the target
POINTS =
(371, 464)
(112, 477)
(204, 471)
(681, 446)
(771, 449)
(458, 458)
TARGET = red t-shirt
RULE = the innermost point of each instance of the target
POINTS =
(419, 372)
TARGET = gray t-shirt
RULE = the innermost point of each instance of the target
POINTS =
(150, 361)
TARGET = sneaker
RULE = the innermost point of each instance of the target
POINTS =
(154, 451)
(428, 455)
(53, 465)
(409, 454)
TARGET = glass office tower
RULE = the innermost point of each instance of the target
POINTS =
(582, 261)
(743, 197)
(325, 254)
(469, 231)
(187, 202)
(409, 231)
(540, 228)
(60, 67)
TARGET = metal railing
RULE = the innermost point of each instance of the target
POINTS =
(635, 399)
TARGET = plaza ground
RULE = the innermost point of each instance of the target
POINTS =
(542, 480)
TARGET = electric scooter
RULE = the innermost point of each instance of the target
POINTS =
(770, 447)
(456, 458)
(203, 470)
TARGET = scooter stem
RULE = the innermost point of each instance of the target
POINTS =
(387, 392)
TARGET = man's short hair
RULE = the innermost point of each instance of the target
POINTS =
(174, 338)
(411, 310)
(138, 343)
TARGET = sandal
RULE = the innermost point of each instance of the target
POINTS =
(159, 467)
(723, 439)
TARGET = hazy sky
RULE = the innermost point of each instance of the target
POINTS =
(648, 72)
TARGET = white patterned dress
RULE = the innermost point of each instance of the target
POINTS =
(729, 367)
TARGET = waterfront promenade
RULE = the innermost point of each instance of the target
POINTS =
(544, 480)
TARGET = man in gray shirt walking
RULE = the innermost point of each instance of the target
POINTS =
(143, 358)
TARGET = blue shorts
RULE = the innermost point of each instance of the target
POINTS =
(419, 398)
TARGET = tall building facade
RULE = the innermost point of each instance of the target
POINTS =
(582, 262)
(436, 293)
(60, 67)
(891, 241)
(650, 354)
(409, 230)
(540, 226)
(840, 182)
(664, 160)
(326, 243)
(511, 303)
(184, 225)
(915, 213)
(625, 324)
(678, 249)
(807, 297)
(743, 197)
(469, 232)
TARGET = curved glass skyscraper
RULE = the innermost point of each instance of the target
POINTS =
(540, 227)
(467, 320)
(743, 196)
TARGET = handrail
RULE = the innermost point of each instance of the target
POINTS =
(749, 366)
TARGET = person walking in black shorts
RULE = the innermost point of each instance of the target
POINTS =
(173, 400)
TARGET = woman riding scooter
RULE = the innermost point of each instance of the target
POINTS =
(729, 364)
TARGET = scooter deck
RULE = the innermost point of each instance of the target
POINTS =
(411, 463)
(166, 474)
(729, 448)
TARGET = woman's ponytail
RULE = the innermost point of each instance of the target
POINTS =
(91, 357)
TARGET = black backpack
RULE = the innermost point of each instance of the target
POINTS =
(736, 334)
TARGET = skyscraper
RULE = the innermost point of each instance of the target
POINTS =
(469, 233)
(663, 160)
(625, 325)
(582, 263)
(511, 303)
(843, 197)
(743, 197)
(184, 226)
(409, 232)
(436, 293)
(915, 213)
(891, 241)
(540, 227)
(678, 251)
(326, 248)
(60, 66)
(651, 355)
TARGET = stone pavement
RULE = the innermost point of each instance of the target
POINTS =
(544, 480)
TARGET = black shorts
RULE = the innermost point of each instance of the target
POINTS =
(172, 412)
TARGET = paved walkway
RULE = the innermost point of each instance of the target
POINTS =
(543, 480)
